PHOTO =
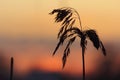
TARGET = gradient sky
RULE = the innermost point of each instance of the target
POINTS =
(30, 19)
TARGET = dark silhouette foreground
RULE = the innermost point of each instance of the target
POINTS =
(68, 16)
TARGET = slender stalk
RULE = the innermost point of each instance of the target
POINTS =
(11, 68)
(79, 19)
(83, 60)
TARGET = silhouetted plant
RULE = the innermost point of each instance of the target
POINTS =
(68, 16)
(11, 68)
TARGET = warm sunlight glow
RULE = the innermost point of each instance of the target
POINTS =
(29, 34)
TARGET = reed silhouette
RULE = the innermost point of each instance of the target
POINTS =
(68, 16)
(11, 68)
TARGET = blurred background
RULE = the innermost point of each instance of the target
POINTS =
(28, 33)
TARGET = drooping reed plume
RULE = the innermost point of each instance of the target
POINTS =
(68, 16)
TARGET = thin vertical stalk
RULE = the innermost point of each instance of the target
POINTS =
(83, 60)
(79, 19)
(11, 68)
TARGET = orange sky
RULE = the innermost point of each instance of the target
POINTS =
(30, 18)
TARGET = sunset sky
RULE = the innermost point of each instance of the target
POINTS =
(29, 20)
